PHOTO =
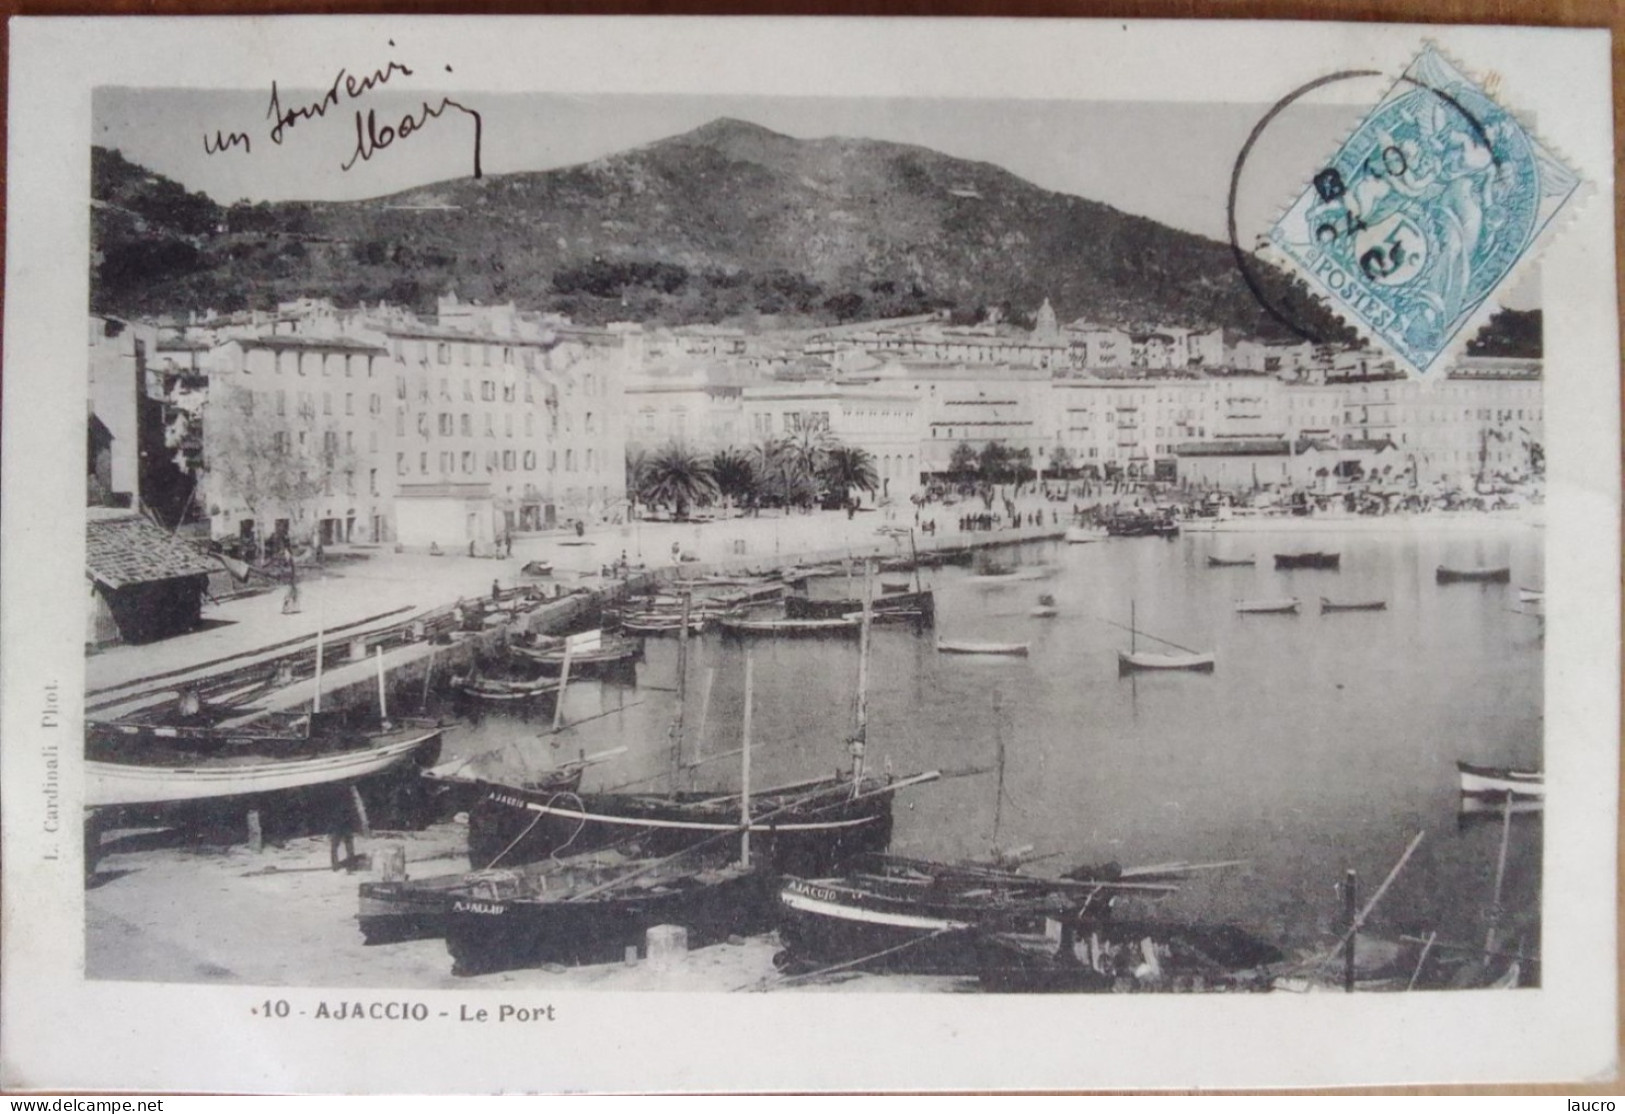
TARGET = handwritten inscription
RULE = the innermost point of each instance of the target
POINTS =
(371, 136)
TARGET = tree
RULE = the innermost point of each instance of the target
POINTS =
(268, 462)
(1060, 460)
(637, 467)
(962, 464)
(995, 462)
(679, 476)
(735, 476)
(847, 467)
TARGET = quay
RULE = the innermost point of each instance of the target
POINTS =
(368, 600)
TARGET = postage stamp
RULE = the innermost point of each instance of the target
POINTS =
(1424, 212)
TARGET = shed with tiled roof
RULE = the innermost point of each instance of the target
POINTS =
(147, 583)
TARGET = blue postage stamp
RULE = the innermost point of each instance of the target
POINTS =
(1424, 212)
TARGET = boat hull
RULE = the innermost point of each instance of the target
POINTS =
(1443, 575)
(484, 936)
(1268, 607)
(1107, 956)
(1308, 560)
(511, 826)
(993, 649)
(1327, 605)
(1137, 662)
(119, 785)
(921, 603)
(1495, 783)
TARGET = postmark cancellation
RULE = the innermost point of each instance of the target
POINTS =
(1424, 212)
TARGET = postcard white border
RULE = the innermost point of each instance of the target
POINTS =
(61, 1032)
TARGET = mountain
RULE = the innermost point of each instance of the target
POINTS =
(725, 222)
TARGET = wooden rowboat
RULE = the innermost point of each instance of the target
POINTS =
(1308, 560)
(661, 624)
(1130, 662)
(504, 690)
(1497, 783)
(114, 784)
(1007, 649)
(1485, 575)
(1352, 605)
(1267, 607)
(550, 654)
(1531, 595)
(1231, 562)
(790, 627)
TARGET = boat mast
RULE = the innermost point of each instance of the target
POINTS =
(682, 693)
(1133, 628)
(861, 729)
(998, 739)
(744, 766)
(915, 553)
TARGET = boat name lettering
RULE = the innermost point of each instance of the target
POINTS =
(486, 907)
(798, 887)
(371, 1011)
(505, 799)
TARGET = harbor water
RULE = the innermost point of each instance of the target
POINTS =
(1320, 743)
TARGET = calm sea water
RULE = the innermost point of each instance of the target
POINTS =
(1320, 743)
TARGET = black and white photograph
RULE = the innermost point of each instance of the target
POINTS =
(570, 552)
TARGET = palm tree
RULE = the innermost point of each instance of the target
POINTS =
(781, 472)
(637, 468)
(847, 467)
(735, 476)
(679, 476)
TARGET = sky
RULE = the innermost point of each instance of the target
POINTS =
(1170, 162)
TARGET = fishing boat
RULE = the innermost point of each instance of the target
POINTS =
(789, 628)
(935, 560)
(813, 826)
(551, 653)
(1314, 560)
(661, 624)
(1483, 575)
(1231, 562)
(1267, 607)
(1083, 535)
(1105, 955)
(1135, 659)
(1046, 608)
(920, 604)
(1496, 783)
(965, 646)
(1327, 605)
(536, 568)
(1139, 524)
(593, 909)
(503, 690)
(907, 915)
(164, 777)
(126, 741)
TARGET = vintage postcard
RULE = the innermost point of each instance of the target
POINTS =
(800, 554)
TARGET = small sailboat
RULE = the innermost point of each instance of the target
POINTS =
(1136, 659)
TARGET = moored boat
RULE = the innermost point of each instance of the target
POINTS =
(1314, 560)
(592, 910)
(661, 624)
(550, 653)
(908, 915)
(1110, 956)
(1046, 608)
(1352, 605)
(921, 603)
(1230, 562)
(505, 690)
(1501, 574)
(1531, 595)
(1130, 662)
(1496, 783)
(966, 646)
(1267, 607)
(790, 628)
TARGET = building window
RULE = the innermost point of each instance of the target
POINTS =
(468, 390)
(442, 353)
(507, 460)
(445, 425)
(569, 460)
(587, 422)
(349, 404)
(552, 460)
(589, 460)
(423, 463)
(349, 440)
(468, 354)
(488, 390)
(468, 425)
(400, 464)
(490, 425)
(281, 402)
(530, 461)
(468, 461)
(400, 423)
(400, 386)
(509, 392)
(530, 424)
(445, 389)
